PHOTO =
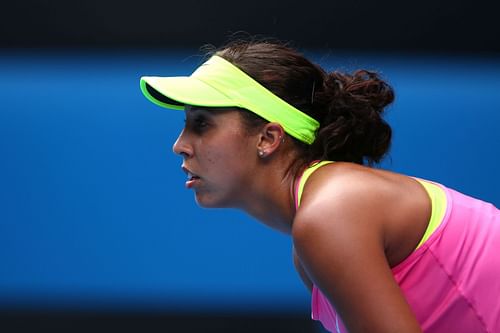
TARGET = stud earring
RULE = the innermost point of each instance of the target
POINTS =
(261, 153)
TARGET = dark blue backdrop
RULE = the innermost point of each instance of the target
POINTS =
(93, 211)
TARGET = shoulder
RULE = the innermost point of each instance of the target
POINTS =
(341, 203)
(344, 191)
(351, 187)
(344, 204)
(340, 236)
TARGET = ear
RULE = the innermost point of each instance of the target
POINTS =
(271, 137)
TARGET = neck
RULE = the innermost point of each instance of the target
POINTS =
(272, 199)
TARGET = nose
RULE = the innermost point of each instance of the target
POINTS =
(182, 147)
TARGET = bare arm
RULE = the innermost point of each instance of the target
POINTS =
(300, 270)
(339, 239)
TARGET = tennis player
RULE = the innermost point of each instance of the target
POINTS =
(271, 133)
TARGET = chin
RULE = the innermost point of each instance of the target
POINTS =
(207, 201)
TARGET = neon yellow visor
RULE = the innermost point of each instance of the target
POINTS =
(218, 83)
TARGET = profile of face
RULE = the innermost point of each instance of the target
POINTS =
(218, 156)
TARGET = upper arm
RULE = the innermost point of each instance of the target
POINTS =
(341, 248)
(300, 270)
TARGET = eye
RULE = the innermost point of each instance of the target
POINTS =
(198, 123)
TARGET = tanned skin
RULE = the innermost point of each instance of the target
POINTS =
(353, 225)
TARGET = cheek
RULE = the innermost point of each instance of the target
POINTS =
(231, 158)
(231, 146)
(225, 160)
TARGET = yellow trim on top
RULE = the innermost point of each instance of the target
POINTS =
(438, 210)
(305, 175)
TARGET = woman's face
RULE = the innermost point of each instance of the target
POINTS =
(218, 156)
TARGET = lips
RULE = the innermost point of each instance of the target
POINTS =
(192, 178)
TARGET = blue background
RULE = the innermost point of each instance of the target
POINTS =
(93, 210)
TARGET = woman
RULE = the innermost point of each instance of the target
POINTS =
(273, 134)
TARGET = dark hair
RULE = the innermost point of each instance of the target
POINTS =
(349, 107)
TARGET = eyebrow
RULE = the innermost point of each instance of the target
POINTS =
(213, 111)
(192, 108)
(195, 111)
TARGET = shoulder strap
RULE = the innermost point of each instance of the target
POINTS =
(438, 207)
(299, 187)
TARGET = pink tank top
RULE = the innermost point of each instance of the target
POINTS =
(452, 280)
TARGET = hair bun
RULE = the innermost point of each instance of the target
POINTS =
(353, 128)
(362, 88)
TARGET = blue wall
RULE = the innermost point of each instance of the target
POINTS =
(93, 210)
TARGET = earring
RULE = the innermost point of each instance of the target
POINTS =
(261, 153)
